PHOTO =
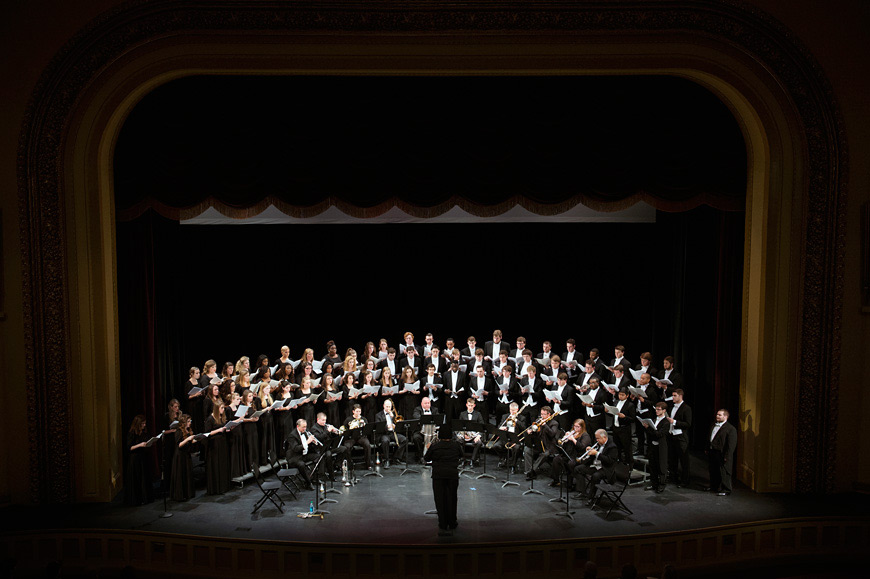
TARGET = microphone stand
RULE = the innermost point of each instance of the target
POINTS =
(163, 483)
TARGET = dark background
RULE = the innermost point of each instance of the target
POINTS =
(189, 293)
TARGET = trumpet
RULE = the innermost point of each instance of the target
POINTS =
(595, 446)
(568, 436)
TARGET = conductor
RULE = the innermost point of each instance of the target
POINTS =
(445, 455)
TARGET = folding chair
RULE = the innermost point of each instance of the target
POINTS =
(269, 490)
(287, 477)
(613, 492)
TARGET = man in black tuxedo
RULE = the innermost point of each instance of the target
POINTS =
(435, 358)
(645, 367)
(619, 359)
(471, 349)
(411, 359)
(494, 346)
(619, 379)
(388, 416)
(572, 359)
(680, 417)
(355, 435)
(547, 351)
(390, 362)
(622, 426)
(517, 352)
(514, 423)
(595, 413)
(303, 449)
(481, 379)
(325, 433)
(532, 393)
(507, 390)
(658, 457)
(721, 444)
(669, 373)
(454, 390)
(431, 386)
(598, 364)
(587, 475)
(540, 443)
(425, 409)
(644, 407)
(470, 436)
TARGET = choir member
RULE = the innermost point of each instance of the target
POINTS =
(138, 489)
(181, 487)
(266, 425)
(217, 463)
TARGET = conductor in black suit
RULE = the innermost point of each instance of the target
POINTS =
(445, 454)
(720, 454)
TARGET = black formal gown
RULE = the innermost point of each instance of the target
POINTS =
(217, 463)
(252, 444)
(181, 486)
(238, 463)
(265, 434)
(194, 407)
(137, 484)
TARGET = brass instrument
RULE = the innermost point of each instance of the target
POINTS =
(568, 436)
(396, 417)
(539, 422)
(595, 446)
(355, 423)
(510, 422)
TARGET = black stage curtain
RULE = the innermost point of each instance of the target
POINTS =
(190, 293)
(365, 144)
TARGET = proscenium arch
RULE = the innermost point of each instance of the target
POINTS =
(795, 165)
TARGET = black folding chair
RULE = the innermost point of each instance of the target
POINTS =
(287, 477)
(613, 491)
(269, 490)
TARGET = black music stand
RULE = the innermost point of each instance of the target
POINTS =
(164, 484)
(514, 438)
(438, 420)
(316, 484)
(492, 430)
(468, 426)
(564, 487)
(406, 424)
(332, 445)
(368, 431)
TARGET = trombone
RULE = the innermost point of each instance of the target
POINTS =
(533, 428)
(510, 418)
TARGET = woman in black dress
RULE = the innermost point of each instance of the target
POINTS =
(236, 439)
(181, 485)
(252, 441)
(332, 356)
(408, 401)
(138, 489)
(369, 401)
(194, 401)
(305, 409)
(283, 417)
(217, 463)
(227, 371)
(260, 368)
(330, 407)
(173, 414)
(266, 426)
(307, 361)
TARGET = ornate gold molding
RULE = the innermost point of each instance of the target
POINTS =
(42, 216)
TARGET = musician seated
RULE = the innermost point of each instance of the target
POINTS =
(512, 422)
(573, 444)
(303, 449)
(540, 441)
(325, 433)
(599, 464)
(389, 416)
(353, 436)
(419, 437)
(471, 436)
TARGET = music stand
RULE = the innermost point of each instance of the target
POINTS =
(438, 420)
(316, 480)
(468, 426)
(511, 437)
(406, 424)
(332, 488)
(164, 484)
(564, 487)
(490, 429)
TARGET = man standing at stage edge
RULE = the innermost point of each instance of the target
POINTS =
(445, 455)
